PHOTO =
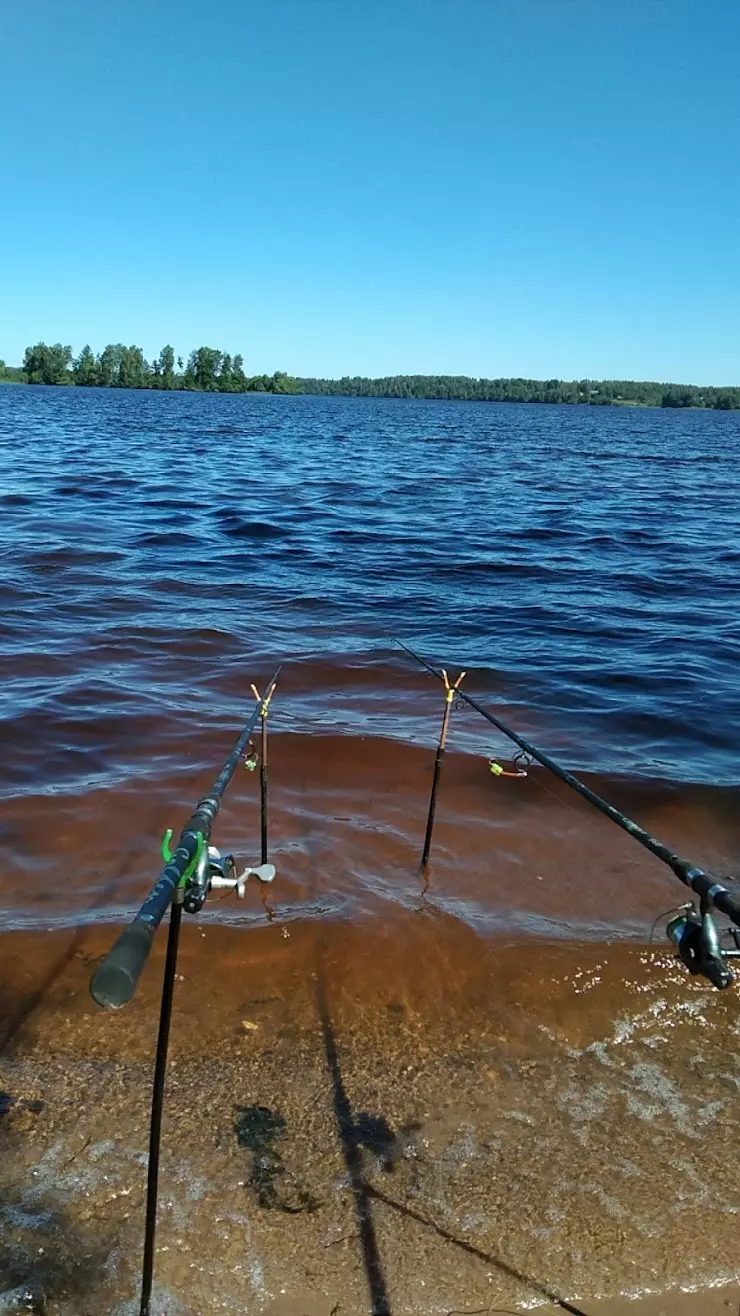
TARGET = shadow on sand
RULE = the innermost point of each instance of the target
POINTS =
(364, 1131)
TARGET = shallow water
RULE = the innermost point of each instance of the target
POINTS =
(160, 552)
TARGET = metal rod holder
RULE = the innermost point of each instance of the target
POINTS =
(450, 692)
(265, 703)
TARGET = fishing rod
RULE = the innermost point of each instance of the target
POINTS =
(190, 873)
(693, 931)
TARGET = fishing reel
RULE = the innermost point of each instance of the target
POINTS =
(695, 935)
(214, 872)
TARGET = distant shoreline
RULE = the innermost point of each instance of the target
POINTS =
(443, 388)
(302, 392)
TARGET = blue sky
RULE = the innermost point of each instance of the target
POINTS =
(485, 187)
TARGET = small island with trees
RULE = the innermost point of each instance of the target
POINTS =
(210, 370)
(207, 370)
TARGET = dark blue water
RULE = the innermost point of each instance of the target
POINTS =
(581, 563)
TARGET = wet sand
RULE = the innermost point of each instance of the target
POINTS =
(398, 1117)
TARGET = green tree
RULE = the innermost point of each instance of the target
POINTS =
(47, 365)
(133, 370)
(166, 367)
(204, 364)
(238, 378)
(226, 374)
(84, 368)
(677, 397)
(109, 365)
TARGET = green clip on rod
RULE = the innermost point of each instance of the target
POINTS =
(695, 936)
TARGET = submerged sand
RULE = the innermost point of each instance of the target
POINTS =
(399, 1118)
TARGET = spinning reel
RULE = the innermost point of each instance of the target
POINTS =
(696, 937)
(218, 872)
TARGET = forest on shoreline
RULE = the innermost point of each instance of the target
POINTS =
(209, 369)
(589, 392)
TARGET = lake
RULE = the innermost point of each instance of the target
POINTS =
(162, 551)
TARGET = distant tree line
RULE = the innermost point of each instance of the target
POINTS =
(210, 370)
(207, 370)
(620, 392)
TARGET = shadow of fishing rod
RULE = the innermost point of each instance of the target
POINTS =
(351, 1136)
(542, 1289)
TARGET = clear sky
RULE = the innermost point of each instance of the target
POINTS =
(486, 187)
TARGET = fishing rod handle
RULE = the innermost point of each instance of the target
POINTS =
(114, 981)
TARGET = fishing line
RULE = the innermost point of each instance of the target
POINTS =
(669, 913)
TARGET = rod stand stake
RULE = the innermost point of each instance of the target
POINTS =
(450, 692)
(265, 708)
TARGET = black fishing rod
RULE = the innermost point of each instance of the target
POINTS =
(194, 869)
(694, 932)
